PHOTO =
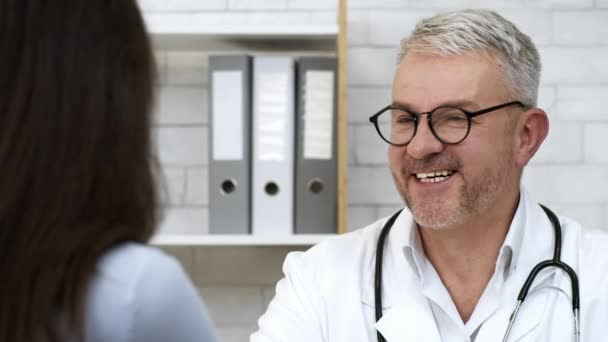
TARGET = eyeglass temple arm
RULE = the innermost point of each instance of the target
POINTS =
(487, 110)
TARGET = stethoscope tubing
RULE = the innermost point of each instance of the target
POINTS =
(554, 262)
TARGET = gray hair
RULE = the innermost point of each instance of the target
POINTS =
(455, 33)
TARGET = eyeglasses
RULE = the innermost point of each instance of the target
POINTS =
(449, 124)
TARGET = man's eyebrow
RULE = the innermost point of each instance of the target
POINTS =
(461, 103)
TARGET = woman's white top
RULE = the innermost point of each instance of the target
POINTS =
(140, 294)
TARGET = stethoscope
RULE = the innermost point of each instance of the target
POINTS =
(555, 262)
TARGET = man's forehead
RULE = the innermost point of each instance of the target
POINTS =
(429, 80)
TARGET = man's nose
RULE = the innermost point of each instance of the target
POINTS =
(424, 143)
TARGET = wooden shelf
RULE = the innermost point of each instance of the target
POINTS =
(188, 24)
(237, 240)
(193, 32)
(188, 31)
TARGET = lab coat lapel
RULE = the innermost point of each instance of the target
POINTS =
(407, 315)
(537, 246)
(528, 318)
(413, 322)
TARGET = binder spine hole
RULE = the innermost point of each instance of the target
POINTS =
(271, 188)
(315, 186)
(228, 186)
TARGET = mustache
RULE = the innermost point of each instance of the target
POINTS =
(430, 163)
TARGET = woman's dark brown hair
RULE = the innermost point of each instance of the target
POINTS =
(77, 175)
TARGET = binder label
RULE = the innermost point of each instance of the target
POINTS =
(273, 107)
(227, 111)
(318, 114)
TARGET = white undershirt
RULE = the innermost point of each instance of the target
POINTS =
(449, 323)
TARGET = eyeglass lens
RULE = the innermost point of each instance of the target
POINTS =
(449, 124)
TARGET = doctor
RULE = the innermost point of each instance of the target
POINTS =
(462, 125)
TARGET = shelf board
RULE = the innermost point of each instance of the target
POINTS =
(237, 240)
(190, 30)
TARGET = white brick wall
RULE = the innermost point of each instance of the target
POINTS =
(197, 192)
(185, 220)
(187, 68)
(183, 145)
(365, 102)
(569, 173)
(387, 27)
(546, 98)
(574, 65)
(596, 142)
(360, 217)
(266, 17)
(450, 4)
(313, 4)
(502, 4)
(358, 27)
(579, 183)
(581, 28)
(369, 149)
(180, 5)
(370, 66)
(182, 106)
(581, 103)
(257, 4)
(563, 144)
(174, 186)
(371, 185)
(372, 4)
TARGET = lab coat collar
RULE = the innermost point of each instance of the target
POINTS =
(508, 256)
(395, 268)
(407, 313)
(537, 242)
(413, 251)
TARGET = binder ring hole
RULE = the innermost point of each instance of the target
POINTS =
(271, 188)
(315, 185)
(228, 186)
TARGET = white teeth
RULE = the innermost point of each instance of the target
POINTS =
(434, 174)
(434, 177)
(433, 180)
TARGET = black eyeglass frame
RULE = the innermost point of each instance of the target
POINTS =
(416, 116)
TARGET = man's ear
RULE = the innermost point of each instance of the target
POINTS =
(532, 129)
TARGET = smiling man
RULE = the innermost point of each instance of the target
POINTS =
(454, 265)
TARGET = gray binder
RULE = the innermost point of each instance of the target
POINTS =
(230, 152)
(316, 156)
(273, 145)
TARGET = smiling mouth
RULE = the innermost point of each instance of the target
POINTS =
(435, 176)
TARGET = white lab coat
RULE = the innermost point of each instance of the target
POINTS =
(328, 292)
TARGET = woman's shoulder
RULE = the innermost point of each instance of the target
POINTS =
(137, 292)
(124, 264)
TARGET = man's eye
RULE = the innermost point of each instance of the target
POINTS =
(404, 119)
(456, 117)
